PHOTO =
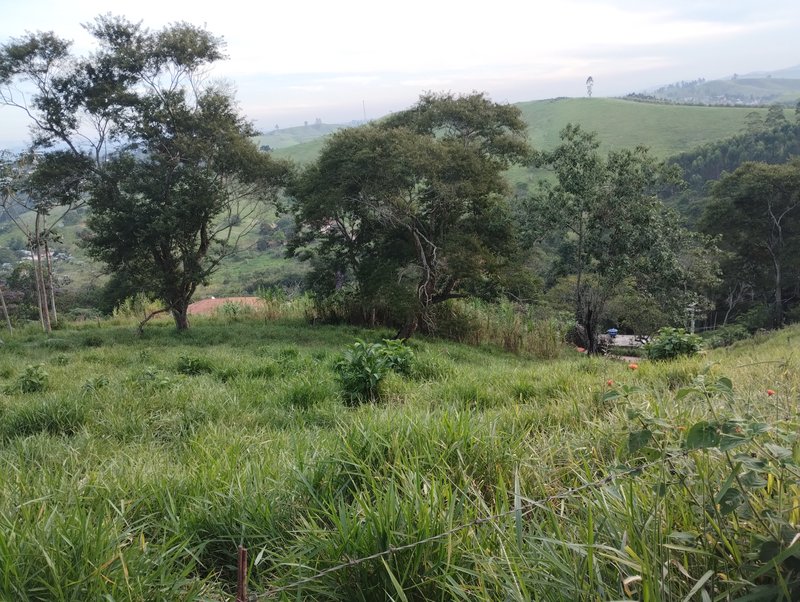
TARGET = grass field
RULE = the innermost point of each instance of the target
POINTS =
(665, 129)
(131, 468)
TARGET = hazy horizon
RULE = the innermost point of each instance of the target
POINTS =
(310, 60)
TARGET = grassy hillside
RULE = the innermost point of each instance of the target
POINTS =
(278, 139)
(133, 467)
(666, 129)
(742, 90)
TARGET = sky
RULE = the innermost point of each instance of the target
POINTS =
(302, 60)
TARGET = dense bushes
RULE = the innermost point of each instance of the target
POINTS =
(673, 342)
(365, 365)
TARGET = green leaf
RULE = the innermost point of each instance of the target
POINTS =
(730, 500)
(700, 583)
(753, 480)
(725, 384)
(702, 435)
(639, 439)
(778, 452)
(686, 392)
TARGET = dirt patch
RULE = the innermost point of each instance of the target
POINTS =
(208, 306)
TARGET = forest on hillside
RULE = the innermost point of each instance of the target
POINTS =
(397, 222)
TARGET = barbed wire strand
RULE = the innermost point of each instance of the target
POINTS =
(528, 507)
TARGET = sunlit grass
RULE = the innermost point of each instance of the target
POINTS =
(146, 460)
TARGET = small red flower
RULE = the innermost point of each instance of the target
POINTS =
(633, 366)
(770, 392)
(610, 382)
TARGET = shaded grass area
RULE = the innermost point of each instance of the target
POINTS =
(143, 462)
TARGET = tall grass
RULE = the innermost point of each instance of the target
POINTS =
(510, 326)
(148, 460)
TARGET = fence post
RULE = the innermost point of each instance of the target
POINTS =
(241, 576)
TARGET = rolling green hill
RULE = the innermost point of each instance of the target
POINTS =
(288, 137)
(746, 90)
(666, 129)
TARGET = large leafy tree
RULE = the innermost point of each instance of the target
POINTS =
(756, 211)
(165, 158)
(614, 232)
(411, 212)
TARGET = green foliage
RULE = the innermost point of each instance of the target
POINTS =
(233, 311)
(756, 213)
(161, 226)
(671, 343)
(307, 394)
(514, 327)
(725, 335)
(54, 416)
(741, 463)
(365, 365)
(193, 365)
(34, 379)
(672, 482)
(409, 212)
(617, 237)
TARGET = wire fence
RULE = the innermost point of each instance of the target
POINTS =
(523, 507)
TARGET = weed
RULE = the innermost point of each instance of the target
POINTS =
(34, 379)
(364, 365)
(61, 359)
(306, 394)
(671, 343)
(193, 365)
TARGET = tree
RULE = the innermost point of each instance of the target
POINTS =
(775, 117)
(164, 158)
(617, 233)
(589, 85)
(26, 190)
(756, 210)
(411, 212)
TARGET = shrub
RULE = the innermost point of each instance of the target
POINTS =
(671, 343)
(93, 340)
(193, 365)
(33, 380)
(233, 311)
(726, 335)
(365, 365)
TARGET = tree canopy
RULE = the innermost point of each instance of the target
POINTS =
(165, 157)
(614, 232)
(756, 210)
(410, 212)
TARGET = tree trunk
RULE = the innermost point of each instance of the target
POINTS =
(53, 314)
(408, 329)
(180, 312)
(778, 294)
(5, 310)
(41, 293)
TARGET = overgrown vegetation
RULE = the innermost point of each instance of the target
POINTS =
(671, 343)
(151, 458)
(134, 463)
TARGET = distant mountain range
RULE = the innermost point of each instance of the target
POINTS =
(758, 88)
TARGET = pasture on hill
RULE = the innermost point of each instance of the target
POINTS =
(666, 129)
(131, 468)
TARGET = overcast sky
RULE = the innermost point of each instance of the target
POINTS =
(297, 60)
